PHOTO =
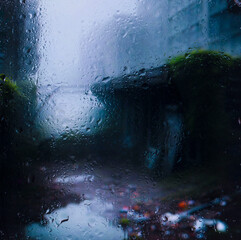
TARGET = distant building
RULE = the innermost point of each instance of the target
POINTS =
(214, 24)
(19, 33)
(158, 30)
(178, 25)
(9, 37)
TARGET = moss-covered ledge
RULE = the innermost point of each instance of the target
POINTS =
(200, 83)
(201, 78)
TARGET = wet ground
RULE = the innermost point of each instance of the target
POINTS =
(89, 202)
(102, 193)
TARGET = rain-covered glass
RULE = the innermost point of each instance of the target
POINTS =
(120, 119)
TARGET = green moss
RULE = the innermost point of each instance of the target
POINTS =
(124, 222)
(201, 79)
(14, 108)
(16, 133)
(8, 88)
(9, 94)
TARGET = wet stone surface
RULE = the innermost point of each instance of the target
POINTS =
(104, 204)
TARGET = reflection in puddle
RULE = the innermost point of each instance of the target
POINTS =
(75, 179)
(77, 221)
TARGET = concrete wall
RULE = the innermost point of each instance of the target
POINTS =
(18, 37)
(9, 37)
(202, 23)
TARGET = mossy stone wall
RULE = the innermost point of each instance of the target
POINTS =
(201, 78)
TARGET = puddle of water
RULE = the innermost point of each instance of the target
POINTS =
(84, 221)
(75, 179)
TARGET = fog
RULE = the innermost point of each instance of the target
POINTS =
(84, 41)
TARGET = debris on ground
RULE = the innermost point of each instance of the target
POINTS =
(190, 220)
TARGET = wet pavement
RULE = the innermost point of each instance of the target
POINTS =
(126, 205)
(102, 194)
(78, 202)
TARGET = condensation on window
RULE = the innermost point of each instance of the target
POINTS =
(120, 119)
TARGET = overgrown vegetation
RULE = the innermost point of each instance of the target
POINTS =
(9, 94)
(16, 137)
(124, 222)
(201, 78)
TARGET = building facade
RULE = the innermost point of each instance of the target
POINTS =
(214, 24)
